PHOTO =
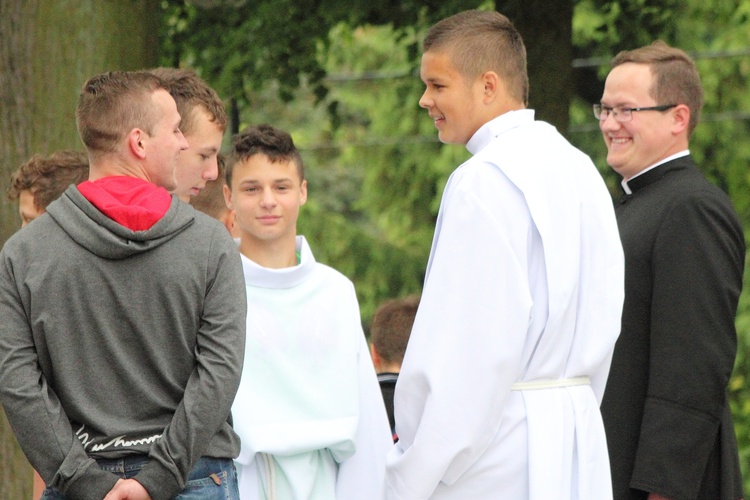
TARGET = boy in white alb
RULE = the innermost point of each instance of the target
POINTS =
(309, 410)
(499, 390)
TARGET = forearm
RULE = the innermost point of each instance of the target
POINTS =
(210, 390)
(34, 411)
(698, 262)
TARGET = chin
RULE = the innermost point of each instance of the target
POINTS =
(446, 139)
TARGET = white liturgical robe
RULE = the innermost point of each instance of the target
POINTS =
(309, 410)
(499, 392)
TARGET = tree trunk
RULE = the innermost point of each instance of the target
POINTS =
(47, 51)
(547, 30)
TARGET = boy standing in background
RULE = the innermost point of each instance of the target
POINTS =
(308, 410)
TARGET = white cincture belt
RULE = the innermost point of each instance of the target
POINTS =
(550, 384)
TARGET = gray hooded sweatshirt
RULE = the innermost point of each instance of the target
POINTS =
(115, 342)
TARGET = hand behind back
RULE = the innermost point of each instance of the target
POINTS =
(128, 489)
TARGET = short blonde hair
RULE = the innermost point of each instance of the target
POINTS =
(112, 104)
(480, 41)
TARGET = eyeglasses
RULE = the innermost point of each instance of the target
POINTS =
(623, 114)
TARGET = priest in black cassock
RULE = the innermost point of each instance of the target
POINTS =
(669, 428)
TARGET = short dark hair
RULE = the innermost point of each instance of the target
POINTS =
(391, 327)
(480, 41)
(112, 104)
(48, 176)
(263, 139)
(190, 91)
(676, 79)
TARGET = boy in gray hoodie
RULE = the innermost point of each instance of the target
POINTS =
(123, 309)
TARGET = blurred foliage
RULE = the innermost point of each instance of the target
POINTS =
(342, 77)
(344, 83)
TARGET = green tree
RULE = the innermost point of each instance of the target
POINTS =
(48, 50)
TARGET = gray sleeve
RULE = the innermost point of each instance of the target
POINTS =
(33, 409)
(215, 378)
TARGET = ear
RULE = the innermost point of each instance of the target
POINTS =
(136, 138)
(491, 86)
(227, 218)
(303, 192)
(376, 361)
(681, 119)
(228, 197)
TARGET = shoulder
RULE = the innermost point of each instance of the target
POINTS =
(478, 173)
(206, 227)
(42, 233)
(686, 203)
(331, 277)
(687, 187)
(537, 150)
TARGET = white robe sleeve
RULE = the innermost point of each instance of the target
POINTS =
(465, 350)
(361, 475)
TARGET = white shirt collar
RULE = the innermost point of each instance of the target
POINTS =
(624, 183)
(287, 277)
(497, 126)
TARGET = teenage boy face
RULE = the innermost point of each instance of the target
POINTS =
(266, 197)
(198, 164)
(451, 100)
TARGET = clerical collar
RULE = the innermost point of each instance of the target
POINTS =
(497, 126)
(624, 182)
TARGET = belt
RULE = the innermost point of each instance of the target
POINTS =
(550, 384)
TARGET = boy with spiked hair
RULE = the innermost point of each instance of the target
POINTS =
(308, 410)
(121, 336)
(499, 391)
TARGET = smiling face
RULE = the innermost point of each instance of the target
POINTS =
(454, 103)
(198, 164)
(649, 137)
(266, 197)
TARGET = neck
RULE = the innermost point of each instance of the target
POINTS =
(278, 254)
(502, 106)
(388, 367)
(114, 165)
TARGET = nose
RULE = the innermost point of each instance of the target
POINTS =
(183, 142)
(609, 123)
(425, 101)
(268, 199)
(212, 172)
